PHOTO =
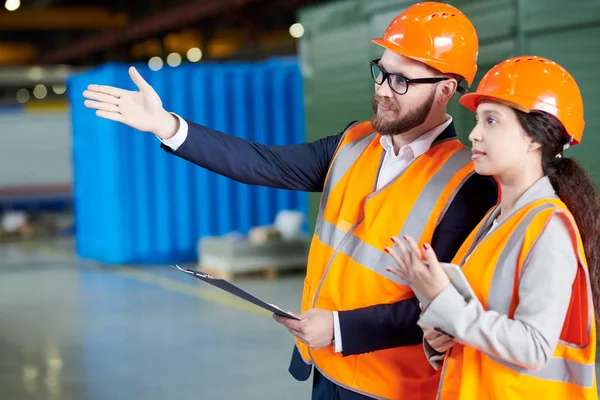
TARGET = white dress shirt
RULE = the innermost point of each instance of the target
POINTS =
(174, 142)
(393, 165)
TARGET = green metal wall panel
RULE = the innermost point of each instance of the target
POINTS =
(492, 18)
(334, 56)
(556, 15)
(577, 50)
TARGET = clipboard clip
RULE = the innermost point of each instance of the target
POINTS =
(192, 272)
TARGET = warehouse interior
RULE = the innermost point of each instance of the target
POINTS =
(93, 213)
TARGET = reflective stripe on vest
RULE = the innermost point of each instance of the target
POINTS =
(344, 159)
(414, 226)
(557, 369)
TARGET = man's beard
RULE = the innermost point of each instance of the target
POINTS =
(405, 124)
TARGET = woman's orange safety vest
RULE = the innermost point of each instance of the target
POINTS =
(347, 263)
(493, 269)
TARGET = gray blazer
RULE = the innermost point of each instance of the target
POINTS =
(529, 339)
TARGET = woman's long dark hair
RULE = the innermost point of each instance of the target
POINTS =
(572, 184)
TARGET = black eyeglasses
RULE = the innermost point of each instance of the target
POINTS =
(399, 83)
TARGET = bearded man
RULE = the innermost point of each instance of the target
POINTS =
(404, 172)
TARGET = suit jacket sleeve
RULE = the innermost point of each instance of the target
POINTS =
(386, 326)
(295, 167)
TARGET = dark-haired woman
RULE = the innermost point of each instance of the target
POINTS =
(533, 262)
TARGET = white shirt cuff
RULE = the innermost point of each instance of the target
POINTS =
(176, 141)
(337, 333)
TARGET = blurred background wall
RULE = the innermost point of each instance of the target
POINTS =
(231, 66)
(43, 42)
(135, 203)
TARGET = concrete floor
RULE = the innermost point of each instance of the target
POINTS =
(74, 331)
(70, 330)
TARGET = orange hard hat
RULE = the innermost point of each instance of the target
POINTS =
(436, 34)
(531, 83)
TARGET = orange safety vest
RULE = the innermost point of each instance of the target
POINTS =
(347, 263)
(493, 269)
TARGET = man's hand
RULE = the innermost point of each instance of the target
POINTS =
(141, 110)
(315, 328)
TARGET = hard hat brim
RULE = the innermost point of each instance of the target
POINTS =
(472, 100)
(440, 66)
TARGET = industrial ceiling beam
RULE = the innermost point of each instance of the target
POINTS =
(63, 18)
(31, 4)
(172, 18)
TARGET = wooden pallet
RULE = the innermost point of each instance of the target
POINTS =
(267, 273)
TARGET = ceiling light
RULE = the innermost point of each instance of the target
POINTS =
(194, 54)
(12, 5)
(22, 96)
(40, 91)
(155, 63)
(174, 59)
(59, 89)
(297, 30)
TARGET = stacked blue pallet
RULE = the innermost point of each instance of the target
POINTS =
(134, 203)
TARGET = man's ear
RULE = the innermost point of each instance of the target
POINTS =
(447, 89)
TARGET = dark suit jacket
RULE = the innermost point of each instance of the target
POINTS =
(304, 167)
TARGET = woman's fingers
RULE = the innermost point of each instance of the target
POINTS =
(414, 247)
(444, 347)
(400, 270)
(430, 334)
(439, 341)
(404, 252)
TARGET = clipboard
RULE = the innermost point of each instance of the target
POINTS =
(234, 290)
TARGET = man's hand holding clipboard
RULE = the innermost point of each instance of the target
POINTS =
(236, 291)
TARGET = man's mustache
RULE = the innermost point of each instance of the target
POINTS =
(387, 103)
